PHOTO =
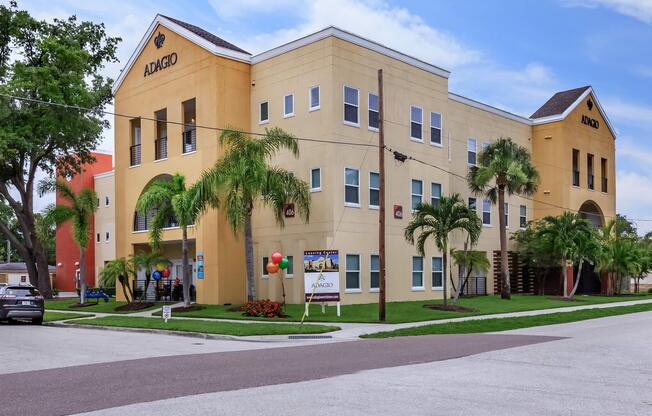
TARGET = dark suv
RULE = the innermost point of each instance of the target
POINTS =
(21, 302)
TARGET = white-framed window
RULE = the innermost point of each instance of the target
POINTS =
(351, 106)
(107, 237)
(506, 215)
(289, 272)
(288, 106)
(417, 273)
(486, 212)
(264, 112)
(416, 123)
(374, 273)
(435, 193)
(264, 273)
(473, 203)
(314, 98)
(522, 220)
(107, 201)
(435, 128)
(315, 179)
(373, 112)
(351, 187)
(417, 193)
(472, 151)
(98, 238)
(352, 273)
(374, 190)
(437, 273)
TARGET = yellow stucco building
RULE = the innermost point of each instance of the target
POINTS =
(324, 87)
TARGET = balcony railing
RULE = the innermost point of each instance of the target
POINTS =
(142, 222)
(134, 155)
(576, 178)
(590, 181)
(189, 140)
(604, 185)
(161, 148)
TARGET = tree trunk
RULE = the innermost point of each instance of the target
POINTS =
(564, 274)
(82, 276)
(460, 287)
(577, 278)
(505, 290)
(249, 253)
(185, 268)
(148, 277)
(124, 281)
(445, 264)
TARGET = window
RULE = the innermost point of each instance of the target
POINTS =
(435, 194)
(352, 272)
(264, 270)
(315, 180)
(484, 146)
(473, 203)
(417, 193)
(417, 273)
(576, 169)
(314, 98)
(161, 142)
(289, 272)
(97, 238)
(435, 129)
(351, 106)
(189, 144)
(374, 273)
(288, 105)
(437, 273)
(373, 112)
(134, 150)
(603, 174)
(486, 212)
(471, 151)
(506, 215)
(522, 220)
(106, 201)
(374, 190)
(416, 123)
(589, 172)
(264, 112)
(106, 237)
(351, 187)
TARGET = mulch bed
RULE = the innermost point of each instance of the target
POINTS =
(573, 299)
(235, 309)
(82, 305)
(134, 306)
(451, 308)
(191, 308)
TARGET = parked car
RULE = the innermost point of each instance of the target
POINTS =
(21, 302)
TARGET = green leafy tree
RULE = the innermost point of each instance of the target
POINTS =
(121, 270)
(622, 252)
(58, 62)
(436, 222)
(504, 168)
(244, 176)
(469, 261)
(8, 253)
(78, 211)
(170, 198)
(148, 260)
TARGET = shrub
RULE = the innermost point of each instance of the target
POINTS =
(649, 291)
(266, 308)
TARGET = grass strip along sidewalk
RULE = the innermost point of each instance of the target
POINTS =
(207, 327)
(62, 316)
(101, 307)
(506, 324)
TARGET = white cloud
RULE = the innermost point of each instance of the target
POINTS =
(638, 9)
(634, 197)
(626, 112)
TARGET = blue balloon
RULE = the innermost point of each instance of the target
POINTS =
(156, 275)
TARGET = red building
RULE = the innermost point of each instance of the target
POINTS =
(67, 250)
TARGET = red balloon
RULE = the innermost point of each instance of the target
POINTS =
(276, 257)
(166, 272)
(272, 268)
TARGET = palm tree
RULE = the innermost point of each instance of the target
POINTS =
(121, 270)
(169, 198)
(568, 238)
(437, 222)
(243, 176)
(78, 210)
(148, 261)
(469, 261)
(503, 167)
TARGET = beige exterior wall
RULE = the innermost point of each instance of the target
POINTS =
(104, 237)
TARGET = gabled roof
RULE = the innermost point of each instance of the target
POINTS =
(560, 105)
(19, 267)
(206, 35)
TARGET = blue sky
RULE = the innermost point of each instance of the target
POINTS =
(510, 53)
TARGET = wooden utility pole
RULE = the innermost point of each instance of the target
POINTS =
(381, 210)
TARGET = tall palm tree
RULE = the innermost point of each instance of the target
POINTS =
(244, 176)
(148, 260)
(568, 238)
(469, 261)
(78, 210)
(121, 270)
(437, 222)
(169, 198)
(504, 167)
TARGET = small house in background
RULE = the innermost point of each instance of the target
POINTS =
(16, 274)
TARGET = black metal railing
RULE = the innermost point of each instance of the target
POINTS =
(163, 290)
(161, 148)
(475, 286)
(576, 178)
(189, 140)
(604, 185)
(590, 181)
(134, 155)
(142, 222)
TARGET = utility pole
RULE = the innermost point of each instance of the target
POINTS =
(381, 210)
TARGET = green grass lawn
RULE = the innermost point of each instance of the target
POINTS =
(102, 307)
(505, 324)
(62, 316)
(399, 312)
(208, 327)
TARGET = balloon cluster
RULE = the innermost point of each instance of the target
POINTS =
(162, 270)
(278, 262)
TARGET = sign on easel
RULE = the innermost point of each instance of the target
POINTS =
(321, 277)
(167, 312)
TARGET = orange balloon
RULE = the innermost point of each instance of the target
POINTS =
(272, 268)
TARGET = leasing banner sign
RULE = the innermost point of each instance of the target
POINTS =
(321, 275)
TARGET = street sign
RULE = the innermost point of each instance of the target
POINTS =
(167, 312)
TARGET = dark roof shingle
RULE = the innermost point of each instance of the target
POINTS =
(559, 102)
(206, 35)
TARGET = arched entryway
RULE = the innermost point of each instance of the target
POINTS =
(592, 212)
(590, 280)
